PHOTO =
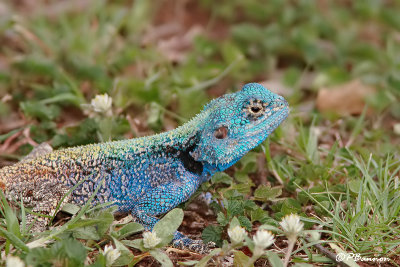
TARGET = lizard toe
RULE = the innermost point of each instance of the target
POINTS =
(194, 245)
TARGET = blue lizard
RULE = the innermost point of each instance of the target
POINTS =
(151, 175)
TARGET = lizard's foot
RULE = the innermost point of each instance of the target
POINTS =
(39, 223)
(183, 242)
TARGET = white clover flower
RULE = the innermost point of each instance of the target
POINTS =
(237, 234)
(101, 103)
(13, 261)
(263, 239)
(396, 128)
(313, 236)
(150, 240)
(291, 225)
(111, 254)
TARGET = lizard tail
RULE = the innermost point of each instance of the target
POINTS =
(3, 179)
(2, 184)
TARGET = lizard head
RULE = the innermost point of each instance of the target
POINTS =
(236, 123)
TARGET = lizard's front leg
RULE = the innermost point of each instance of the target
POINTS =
(162, 199)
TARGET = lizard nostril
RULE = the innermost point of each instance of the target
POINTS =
(284, 102)
(281, 103)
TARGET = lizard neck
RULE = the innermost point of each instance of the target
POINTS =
(178, 144)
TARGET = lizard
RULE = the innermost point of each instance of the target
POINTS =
(148, 176)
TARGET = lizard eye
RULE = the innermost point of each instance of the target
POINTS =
(255, 108)
(221, 132)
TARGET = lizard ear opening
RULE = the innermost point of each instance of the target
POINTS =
(221, 132)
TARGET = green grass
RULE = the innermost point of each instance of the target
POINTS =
(340, 173)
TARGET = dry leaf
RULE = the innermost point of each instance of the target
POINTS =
(276, 78)
(176, 47)
(346, 99)
(277, 87)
